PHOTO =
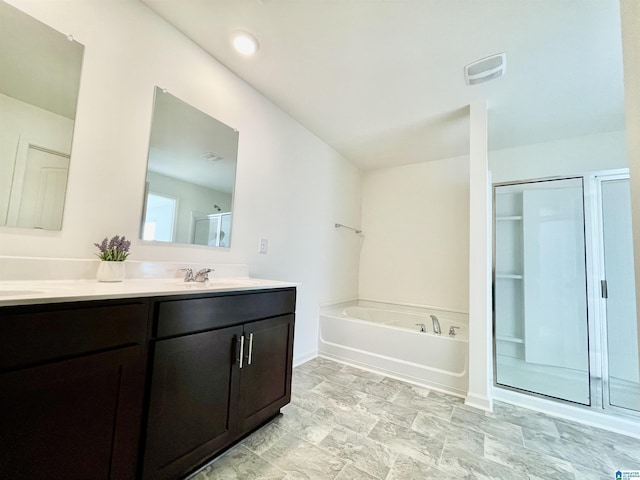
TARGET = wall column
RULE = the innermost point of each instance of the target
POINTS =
(480, 350)
(630, 20)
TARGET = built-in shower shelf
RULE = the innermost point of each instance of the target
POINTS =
(509, 276)
(505, 338)
(508, 218)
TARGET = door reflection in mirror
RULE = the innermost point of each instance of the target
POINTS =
(192, 159)
(39, 201)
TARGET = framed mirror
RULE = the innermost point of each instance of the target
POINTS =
(39, 82)
(191, 172)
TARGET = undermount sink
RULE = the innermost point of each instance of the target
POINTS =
(13, 293)
(235, 284)
(214, 283)
(11, 289)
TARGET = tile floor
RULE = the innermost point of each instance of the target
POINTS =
(345, 423)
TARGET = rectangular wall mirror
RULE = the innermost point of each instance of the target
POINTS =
(39, 82)
(191, 173)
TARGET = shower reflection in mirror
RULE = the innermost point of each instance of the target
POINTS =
(190, 175)
(39, 84)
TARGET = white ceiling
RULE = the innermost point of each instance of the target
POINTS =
(382, 80)
(181, 134)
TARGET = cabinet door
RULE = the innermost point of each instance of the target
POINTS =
(74, 419)
(191, 401)
(265, 377)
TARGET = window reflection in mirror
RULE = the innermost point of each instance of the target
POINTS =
(160, 220)
(39, 82)
(190, 175)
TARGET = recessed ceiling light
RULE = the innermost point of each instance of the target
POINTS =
(244, 43)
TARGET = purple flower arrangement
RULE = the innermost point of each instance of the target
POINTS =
(114, 250)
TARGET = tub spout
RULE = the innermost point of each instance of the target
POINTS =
(436, 325)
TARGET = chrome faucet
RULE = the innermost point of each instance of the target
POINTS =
(452, 330)
(436, 325)
(201, 276)
(423, 327)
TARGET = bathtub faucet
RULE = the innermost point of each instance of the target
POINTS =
(423, 327)
(436, 325)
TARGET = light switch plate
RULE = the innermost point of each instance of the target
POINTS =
(264, 244)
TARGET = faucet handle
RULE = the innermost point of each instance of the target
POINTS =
(423, 327)
(188, 275)
(452, 330)
(203, 275)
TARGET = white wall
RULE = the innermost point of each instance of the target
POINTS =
(415, 220)
(290, 186)
(563, 157)
(20, 121)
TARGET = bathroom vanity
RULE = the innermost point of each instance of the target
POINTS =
(229, 354)
(140, 384)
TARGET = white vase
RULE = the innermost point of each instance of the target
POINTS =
(110, 271)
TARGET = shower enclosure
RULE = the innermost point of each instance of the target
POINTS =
(565, 322)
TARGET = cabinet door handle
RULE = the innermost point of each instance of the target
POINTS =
(250, 348)
(241, 350)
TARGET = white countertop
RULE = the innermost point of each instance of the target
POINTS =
(27, 292)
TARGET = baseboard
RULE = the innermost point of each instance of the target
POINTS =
(304, 358)
(480, 402)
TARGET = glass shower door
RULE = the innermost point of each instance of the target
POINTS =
(621, 323)
(541, 329)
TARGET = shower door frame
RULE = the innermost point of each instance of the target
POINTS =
(592, 387)
(601, 334)
(596, 305)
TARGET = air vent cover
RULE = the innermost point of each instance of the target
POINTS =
(213, 156)
(485, 69)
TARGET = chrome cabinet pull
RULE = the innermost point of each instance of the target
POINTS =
(250, 348)
(241, 350)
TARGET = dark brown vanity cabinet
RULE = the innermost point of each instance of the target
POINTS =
(190, 409)
(71, 390)
(221, 366)
(265, 377)
(139, 388)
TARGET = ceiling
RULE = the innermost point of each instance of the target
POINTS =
(190, 145)
(382, 81)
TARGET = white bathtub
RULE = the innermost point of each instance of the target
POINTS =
(385, 338)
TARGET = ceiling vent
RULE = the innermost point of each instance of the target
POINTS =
(485, 69)
(213, 156)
